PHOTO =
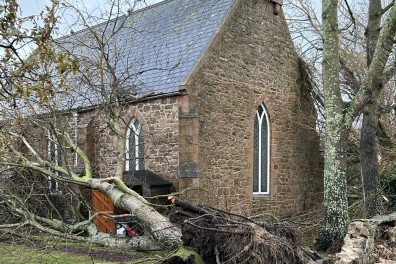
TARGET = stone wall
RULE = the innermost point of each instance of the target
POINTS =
(359, 242)
(253, 61)
(159, 120)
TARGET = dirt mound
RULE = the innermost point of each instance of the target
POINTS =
(224, 237)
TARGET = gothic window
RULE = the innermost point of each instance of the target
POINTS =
(261, 152)
(55, 156)
(134, 147)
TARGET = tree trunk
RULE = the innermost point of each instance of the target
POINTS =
(145, 243)
(163, 231)
(369, 160)
(336, 217)
(368, 144)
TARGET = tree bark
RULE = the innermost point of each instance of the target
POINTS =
(368, 144)
(163, 231)
(336, 218)
(339, 116)
(335, 186)
(369, 160)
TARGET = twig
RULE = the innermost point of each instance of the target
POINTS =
(217, 255)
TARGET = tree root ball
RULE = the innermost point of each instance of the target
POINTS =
(223, 237)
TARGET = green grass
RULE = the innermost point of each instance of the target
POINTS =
(10, 253)
(48, 249)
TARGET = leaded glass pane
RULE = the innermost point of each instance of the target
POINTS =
(141, 150)
(131, 148)
(135, 147)
(136, 123)
(264, 154)
(55, 156)
(256, 155)
(59, 158)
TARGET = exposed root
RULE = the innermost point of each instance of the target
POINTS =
(223, 237)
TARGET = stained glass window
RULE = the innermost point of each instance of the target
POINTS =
(134, 147)
(261, 152)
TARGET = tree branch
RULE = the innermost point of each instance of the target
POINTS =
(387, 108)
(371, 81)
(388, 74)
(389, 6)
(353, 82)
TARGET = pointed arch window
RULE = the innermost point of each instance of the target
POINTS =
(261, 152)
(55, 156)
(134, 147)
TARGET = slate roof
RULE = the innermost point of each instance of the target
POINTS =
(159, 46)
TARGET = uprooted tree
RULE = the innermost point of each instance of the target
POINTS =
(38, 149)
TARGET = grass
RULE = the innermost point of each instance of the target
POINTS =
(47, 249)
(12, 253)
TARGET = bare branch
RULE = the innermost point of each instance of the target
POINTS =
(389, 6)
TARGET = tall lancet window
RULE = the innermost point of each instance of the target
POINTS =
(134, 147)
(55, 156)
(261, 152)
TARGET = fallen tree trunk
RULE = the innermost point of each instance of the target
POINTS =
(161, 228)
(24, 211)
(162, 231)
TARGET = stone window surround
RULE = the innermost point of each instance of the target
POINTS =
(261, 119)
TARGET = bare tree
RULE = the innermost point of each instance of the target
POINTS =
(350, 88)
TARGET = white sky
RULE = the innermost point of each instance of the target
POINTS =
(33, 7)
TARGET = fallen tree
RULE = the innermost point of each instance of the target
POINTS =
(40, 104)
(29, 173)
(21, 203)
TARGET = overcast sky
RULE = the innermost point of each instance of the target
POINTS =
(33, 7)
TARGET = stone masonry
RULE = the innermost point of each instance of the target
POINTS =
(360, 239)
(252, 61)
(159, 120)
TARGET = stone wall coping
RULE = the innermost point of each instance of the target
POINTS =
(379, 219)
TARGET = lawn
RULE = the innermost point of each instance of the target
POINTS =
(52, 251)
